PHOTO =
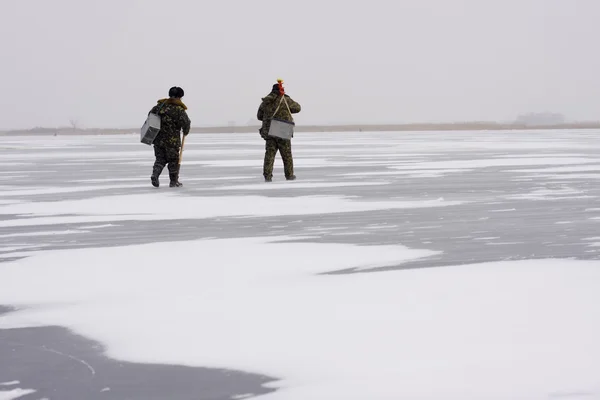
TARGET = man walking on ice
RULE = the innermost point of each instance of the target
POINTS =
(167, 143)
(279, 106)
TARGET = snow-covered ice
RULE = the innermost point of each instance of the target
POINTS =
(158, 206)
(503, 162)
(15, 393)
(384, 335)
(320, 283)
(45, 233)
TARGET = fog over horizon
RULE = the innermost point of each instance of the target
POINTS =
(105, 64)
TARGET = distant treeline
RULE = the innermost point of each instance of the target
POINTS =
(458, 126)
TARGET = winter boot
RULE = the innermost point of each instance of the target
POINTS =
(174, 180)
(155, 174)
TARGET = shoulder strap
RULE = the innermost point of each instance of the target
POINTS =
(161, 106)
(288, 107)
(277, 109)
(279, 105)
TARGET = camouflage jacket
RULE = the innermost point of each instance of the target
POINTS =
(174, 119)
(269, 105)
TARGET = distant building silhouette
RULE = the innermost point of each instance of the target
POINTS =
(540, 119)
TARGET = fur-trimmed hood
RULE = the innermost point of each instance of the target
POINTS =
(176, 102)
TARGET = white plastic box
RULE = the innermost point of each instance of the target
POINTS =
(150, 129)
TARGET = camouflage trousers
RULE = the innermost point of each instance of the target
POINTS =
(272, 145)
(166, 155)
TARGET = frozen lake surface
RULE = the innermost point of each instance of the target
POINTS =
(398, 265)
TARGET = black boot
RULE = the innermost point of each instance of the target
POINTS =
(156, 170)
(174, 175)
(174, 180)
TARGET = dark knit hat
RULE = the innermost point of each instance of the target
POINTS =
(176, 91)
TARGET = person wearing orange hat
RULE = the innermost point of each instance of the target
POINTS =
(267, 111)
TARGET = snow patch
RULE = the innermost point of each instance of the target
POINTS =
(158, 206)
(411, 173)
(74, 189)
(295, 185)
(559, 177)
(550, 194)
(42, 233)
(18, 254)
(3, 202)
(530, 155)
(486, 163)
(266, 308)
(583, 168)
(15, 393)
(22, 247)
(99, 226)
(145, 179)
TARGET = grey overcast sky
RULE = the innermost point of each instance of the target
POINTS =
(105, 63)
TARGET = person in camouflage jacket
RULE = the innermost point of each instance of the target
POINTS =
(167, 143)
(266, 112)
